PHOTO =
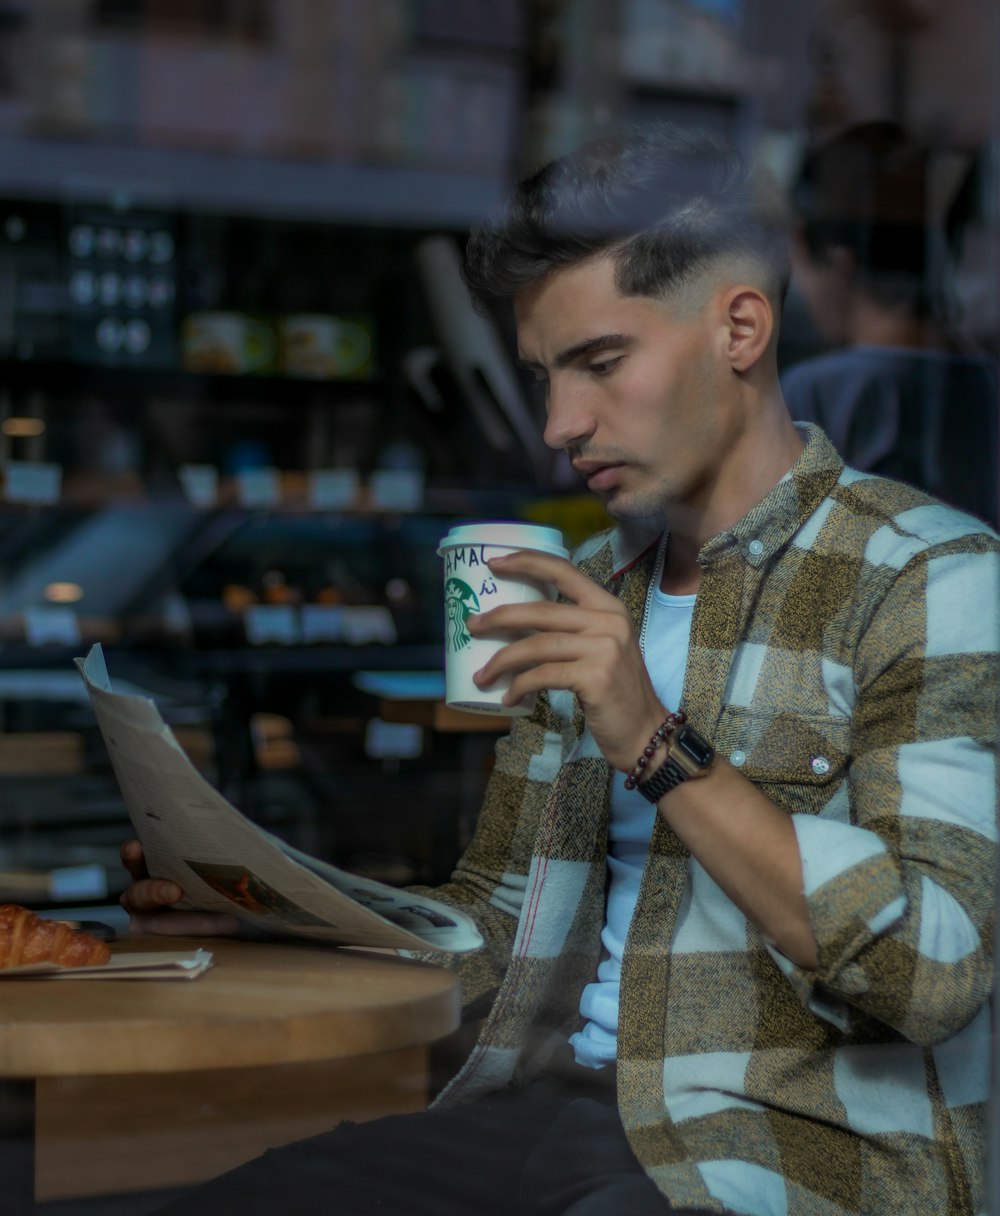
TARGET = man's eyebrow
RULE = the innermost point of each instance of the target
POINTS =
(588, 347)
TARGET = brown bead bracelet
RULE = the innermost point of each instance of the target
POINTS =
(666, 728)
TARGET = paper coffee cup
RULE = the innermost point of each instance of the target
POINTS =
(470, 588)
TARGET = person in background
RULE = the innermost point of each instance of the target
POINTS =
(902, 394)
(735, 872)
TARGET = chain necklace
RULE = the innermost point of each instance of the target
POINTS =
(654, 582)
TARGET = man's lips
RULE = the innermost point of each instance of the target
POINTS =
(600, 475)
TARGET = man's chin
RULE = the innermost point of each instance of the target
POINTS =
(625, 509)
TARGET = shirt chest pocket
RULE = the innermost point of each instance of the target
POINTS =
(798, 760)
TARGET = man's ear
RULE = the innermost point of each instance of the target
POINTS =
(749, 321)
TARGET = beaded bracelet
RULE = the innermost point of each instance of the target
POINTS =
(665, 729)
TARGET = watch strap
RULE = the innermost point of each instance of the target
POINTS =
(666, 777)
(688, 755)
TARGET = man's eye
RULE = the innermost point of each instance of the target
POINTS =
(603, 366)
(538, 387)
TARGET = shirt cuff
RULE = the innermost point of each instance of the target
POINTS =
(854, 893)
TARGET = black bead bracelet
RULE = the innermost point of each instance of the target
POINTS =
(665, 729)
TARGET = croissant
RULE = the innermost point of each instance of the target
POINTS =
(26, 938)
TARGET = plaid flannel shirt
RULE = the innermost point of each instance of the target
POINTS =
(844, 655)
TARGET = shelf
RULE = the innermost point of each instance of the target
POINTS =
(301, 659)
(141, 381)
(191, 663)
(241, 184)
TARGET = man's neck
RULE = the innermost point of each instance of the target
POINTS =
(681, 572)
(873, 324)
(758, 467)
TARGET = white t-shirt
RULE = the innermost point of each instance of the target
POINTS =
(668, 630)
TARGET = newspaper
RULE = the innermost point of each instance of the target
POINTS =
(224, 863)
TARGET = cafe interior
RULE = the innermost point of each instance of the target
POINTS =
(243, 397)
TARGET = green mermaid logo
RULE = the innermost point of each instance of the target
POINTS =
(460, 602)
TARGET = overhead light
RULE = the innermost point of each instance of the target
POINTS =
(22, 428)
(63, 593)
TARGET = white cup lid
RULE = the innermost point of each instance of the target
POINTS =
(507, 535)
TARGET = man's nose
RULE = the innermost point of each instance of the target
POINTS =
(569, 421)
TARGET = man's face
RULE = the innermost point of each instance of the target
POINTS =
(824, 283)
(634, 388)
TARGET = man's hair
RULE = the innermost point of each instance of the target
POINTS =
(664, 203)
(865, 189)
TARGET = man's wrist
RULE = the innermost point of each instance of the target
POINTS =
(688, 756)
(648, 757)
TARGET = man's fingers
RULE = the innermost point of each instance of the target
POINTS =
(542, 616)
(530, 653)
(148, 902)
(184, 924)
(537, 679)
(133, 859)
(570, 582)
(151, 895)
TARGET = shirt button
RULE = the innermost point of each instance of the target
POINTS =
(738, 758)
(756, 547)
(820, 765)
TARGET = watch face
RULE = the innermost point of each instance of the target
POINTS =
(693, 745)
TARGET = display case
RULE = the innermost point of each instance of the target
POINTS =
(229, 438)
(243, 510)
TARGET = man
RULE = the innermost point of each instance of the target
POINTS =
(901, 393)
(768, 926)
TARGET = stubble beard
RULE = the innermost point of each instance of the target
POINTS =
(624, 504)
(638, 504)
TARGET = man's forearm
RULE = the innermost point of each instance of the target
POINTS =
(748, 846)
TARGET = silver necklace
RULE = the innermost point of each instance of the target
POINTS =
(654, 582)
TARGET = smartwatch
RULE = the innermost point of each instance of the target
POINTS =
(689, 755)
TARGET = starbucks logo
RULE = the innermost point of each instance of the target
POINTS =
(460, 602)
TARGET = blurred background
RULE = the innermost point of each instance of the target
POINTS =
(242, 393)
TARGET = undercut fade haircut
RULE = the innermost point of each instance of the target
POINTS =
(665, 203)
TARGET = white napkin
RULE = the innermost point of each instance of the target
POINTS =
(148, 965)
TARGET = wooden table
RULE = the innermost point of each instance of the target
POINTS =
(142, 1084)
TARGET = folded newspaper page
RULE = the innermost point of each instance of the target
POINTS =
(225, 863)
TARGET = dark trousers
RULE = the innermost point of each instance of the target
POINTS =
(549, 1149)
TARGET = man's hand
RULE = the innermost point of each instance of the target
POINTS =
(587, 646)
(149, 901)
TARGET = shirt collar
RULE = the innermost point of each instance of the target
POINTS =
(769, 525)
(763, 531)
